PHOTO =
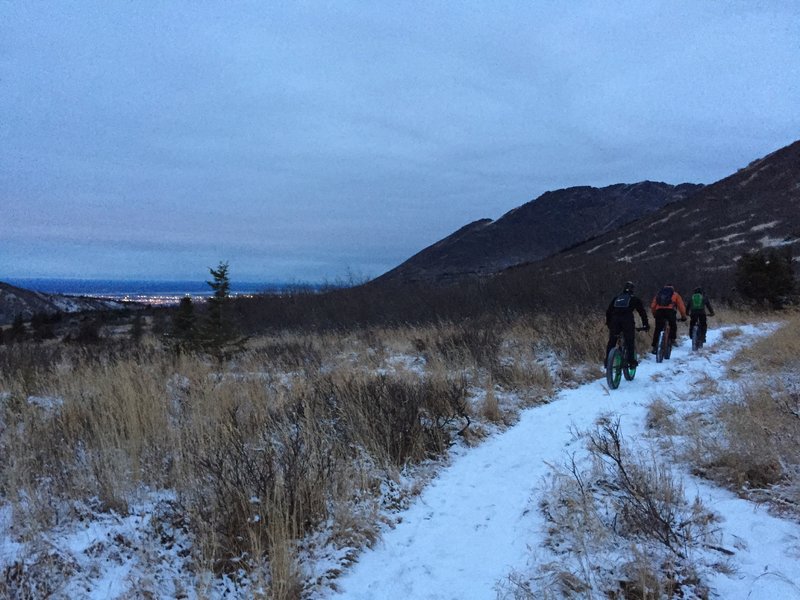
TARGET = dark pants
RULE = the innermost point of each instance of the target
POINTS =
(625, 325)
(665, 315)
(699, 318)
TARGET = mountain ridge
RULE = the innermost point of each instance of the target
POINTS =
(20, 301)
(696, 241)
(539, 228)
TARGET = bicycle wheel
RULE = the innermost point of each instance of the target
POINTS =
(661, 348)
(697, 339)
(667, 345)
(628, 371)
(614, 368)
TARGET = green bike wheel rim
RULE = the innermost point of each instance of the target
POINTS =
(615, 369)
(629, 372)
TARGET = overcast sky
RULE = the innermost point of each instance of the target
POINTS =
(307, 141)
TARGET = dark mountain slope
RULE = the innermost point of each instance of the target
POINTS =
(539, 228)
(695, 241)
(18, 301)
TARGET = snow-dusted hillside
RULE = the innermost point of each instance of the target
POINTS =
(18, 301)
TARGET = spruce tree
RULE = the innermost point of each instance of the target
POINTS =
(184, 325)
(17, 330)
(137, 327)
(219, 334)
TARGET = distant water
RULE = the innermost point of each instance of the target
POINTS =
(142, 290)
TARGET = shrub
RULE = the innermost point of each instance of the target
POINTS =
(766, 275)
(622, 528)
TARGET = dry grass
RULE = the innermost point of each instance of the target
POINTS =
(297, 431)
(705, 386)
(660, 417)
(757, 447)
(749, 443)
(728, 316)
(621, 528)
(490, 407)
(779, 352)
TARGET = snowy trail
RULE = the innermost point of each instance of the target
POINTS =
(474, 523)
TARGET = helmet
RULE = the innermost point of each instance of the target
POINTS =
(629, 287)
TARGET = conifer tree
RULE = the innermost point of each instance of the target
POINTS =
(42, 325)
(219, 334)
(17, 330)
(137, 327)
(184, 325)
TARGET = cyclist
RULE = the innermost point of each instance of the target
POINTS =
(697, 311)
(664, 305)
(619, 318)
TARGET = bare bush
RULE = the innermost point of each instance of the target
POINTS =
(621, 529)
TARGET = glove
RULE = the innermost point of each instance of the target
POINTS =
(683, 319)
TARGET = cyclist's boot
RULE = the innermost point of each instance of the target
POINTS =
(633, 363)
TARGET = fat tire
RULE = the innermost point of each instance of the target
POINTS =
(667, 341)
(614, 368)
(660, 347)
(629, 372)
(696, 339)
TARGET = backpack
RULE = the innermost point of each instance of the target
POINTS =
(664, 297)
(622, 301)
(697, 301)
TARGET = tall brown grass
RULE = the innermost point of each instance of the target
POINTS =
(750, 442)
(295, 432)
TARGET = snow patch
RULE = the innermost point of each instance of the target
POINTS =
(47, 403)
(764, 226)
(771, 242)
(725, 239)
